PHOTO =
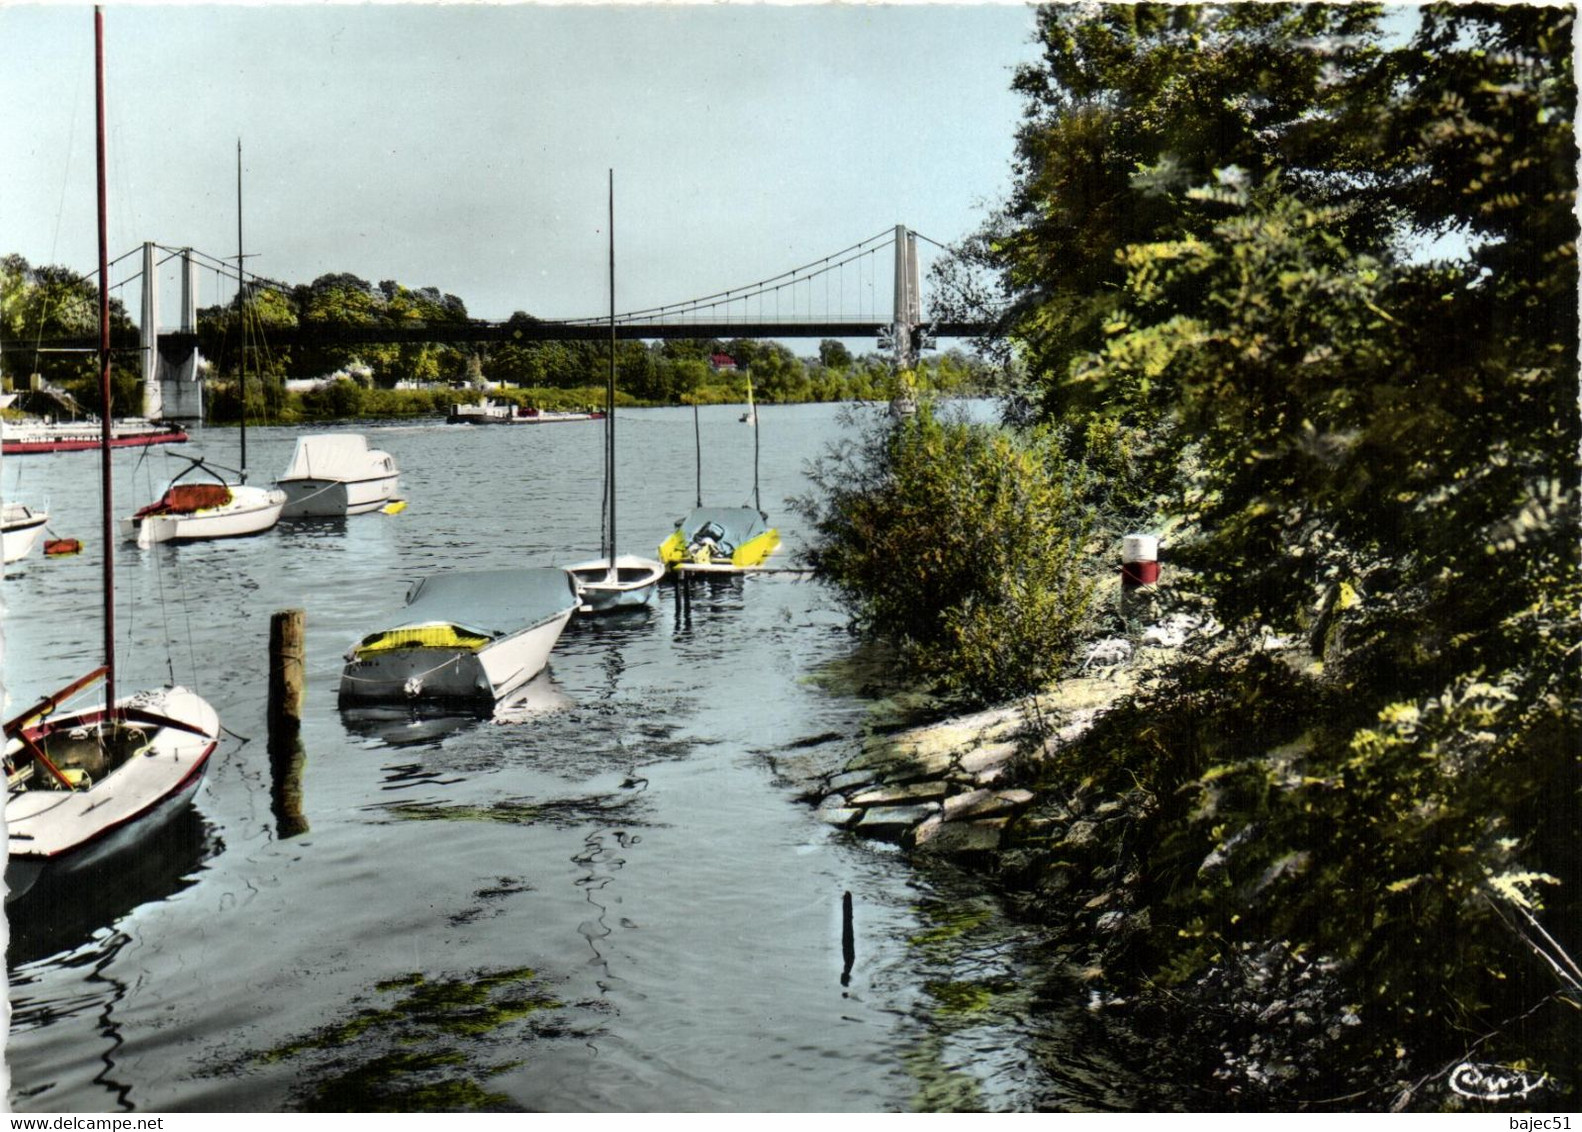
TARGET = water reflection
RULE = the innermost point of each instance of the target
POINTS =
(286, 762)
(428, 724)
(65, 906)
(703, 597)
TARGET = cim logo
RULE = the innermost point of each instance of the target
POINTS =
(1493, 1082)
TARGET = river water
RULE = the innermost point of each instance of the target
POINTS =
(610, 899)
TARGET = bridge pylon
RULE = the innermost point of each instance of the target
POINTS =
(172, 379)
(906, 335)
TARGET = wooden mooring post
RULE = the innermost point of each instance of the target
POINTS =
(287, 673)
(286, 670)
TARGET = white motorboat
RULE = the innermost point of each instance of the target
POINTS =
(614, 581)
(467, 635)
(336, 474)
(87, 783)
(20, 528)
(192, 512)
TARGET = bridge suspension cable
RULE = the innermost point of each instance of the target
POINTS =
(763, 288)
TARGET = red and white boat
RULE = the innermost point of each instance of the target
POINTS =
(21, 438)
(86, 783)
(195, 512)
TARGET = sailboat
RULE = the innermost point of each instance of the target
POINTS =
(83, 784)
(215, 508)
(721, 539)
(614, 581)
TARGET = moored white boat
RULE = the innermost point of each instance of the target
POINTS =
(20, 529)
(466, 635)
(192, 512)
(336, 474)
(628, 582)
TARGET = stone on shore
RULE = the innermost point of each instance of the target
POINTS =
(900, 795)
(892, 822)
(937, 836)
(985, 803)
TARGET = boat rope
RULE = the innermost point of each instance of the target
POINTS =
(327, 487)
(415, 676)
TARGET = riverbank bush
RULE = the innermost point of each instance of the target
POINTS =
(960, 544)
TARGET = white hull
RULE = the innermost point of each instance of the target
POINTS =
(336, 474)
(331, 499)
(20, 528)
(630, 585)
(451, 673)
(46, 823)
(251, 511)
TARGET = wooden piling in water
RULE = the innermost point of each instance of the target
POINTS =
(287, 671)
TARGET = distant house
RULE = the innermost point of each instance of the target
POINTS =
(722, 363)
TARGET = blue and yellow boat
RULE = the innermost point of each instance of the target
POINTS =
(720, 539)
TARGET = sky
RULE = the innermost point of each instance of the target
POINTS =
(467, 147)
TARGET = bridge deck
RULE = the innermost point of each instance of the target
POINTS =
(461, 332)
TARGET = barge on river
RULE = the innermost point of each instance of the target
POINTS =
(21, 438)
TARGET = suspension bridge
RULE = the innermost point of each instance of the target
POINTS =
(820, 299)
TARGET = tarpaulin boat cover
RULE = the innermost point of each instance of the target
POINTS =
(492, 602)
(736, 525)
(185, 498)
(336, 456)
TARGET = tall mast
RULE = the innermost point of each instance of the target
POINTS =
(753, 412)
(107, 527)
(609, 393)
(697, 448)
(241, 302)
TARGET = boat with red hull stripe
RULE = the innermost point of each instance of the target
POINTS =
(21, 439)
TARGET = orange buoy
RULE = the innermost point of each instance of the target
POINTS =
(60, 547)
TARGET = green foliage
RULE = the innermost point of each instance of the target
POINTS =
(55, 302)
(1211, 259)
(959, 543)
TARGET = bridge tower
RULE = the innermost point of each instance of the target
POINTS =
(906, 334)
(172, 385)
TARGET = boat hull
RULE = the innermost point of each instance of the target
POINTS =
(331, 499)
(252, 511)
(46, 825)
(20, 530)
(452, 673)
(630, 585)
